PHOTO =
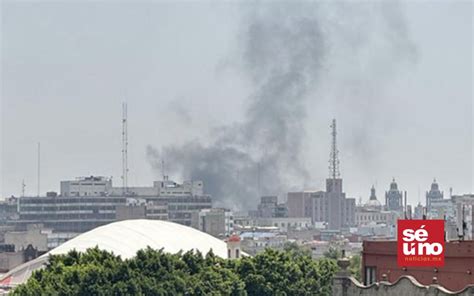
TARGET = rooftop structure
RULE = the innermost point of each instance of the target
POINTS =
(433, 195)
(373, 203)
(394, 198)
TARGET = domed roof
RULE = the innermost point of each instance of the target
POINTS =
(125, 238)
(373, 203)
(393, 185)
(434, 185)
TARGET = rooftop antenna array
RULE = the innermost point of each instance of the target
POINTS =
(39, 169)
(334, 156)
(23, 186)
(124, 149)
(163, 172)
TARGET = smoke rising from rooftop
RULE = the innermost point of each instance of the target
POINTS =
(287, 51)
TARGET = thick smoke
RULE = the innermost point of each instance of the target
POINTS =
(285, 52)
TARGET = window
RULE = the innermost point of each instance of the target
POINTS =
(237, 255)
(228, 253)
(370, 275)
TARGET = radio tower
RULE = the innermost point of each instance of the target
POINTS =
(124, 149)
(334, 156)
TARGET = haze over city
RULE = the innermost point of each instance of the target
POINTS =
(221, 90)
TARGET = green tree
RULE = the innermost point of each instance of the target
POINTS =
(154, 272)
(333, 253)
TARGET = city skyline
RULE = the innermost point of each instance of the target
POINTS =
(407, 120)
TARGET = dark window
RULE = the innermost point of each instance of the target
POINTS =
(370, 275)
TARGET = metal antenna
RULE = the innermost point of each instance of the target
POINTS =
(258, 179)
(23, 186)
(163, 168)
(334, 156)
(39, 168)
(124, 149)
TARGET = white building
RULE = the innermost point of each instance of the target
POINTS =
(87, 186)
(102, 186)
(282, 224)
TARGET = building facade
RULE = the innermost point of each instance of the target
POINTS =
(217, 222)
(433, 195)
(88, 202)
(394, 198)
(379, 263)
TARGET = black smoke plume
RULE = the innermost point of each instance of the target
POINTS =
(284, 55)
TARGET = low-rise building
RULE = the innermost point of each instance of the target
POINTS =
(379, 263)
(283, 224)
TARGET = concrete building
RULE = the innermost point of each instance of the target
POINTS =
(442, 209)
(394, 198)
(283, 224)
(217, 222)
(330, 206)
(301, 204)
(65, 214)
(88, 202)
(433, 195)
(270, 208)
(34, 236)
(419, 211)
(8, 209)
(254, 242)
(371, 219)
(464, 215)
(366, 216)
(87, 186)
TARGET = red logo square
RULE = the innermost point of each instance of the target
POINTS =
(420, 243)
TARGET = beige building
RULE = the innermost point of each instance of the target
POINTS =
(34, 235)
(217, 222)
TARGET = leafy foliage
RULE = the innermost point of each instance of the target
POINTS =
(154, 272)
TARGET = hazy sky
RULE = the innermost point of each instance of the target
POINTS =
(67, 67)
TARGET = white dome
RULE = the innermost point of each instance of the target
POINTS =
(373, 203)
(125, 238)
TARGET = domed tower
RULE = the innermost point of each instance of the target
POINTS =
(233, 247)
(394, 198)
(433, 194)
(373, 203)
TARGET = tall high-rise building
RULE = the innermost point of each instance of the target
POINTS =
(394, 198)
(330, 206)
(433, 195)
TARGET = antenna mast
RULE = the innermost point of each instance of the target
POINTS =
(334, 156)
(163, 169)
(124, 149)
(23, 186)
(39, 168)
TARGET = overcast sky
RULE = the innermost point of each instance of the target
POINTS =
(67, 67)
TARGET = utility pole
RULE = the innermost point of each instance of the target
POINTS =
(124, 149)
(39, 169)
(23, 186)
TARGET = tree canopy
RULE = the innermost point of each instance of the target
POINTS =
(154, 272)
